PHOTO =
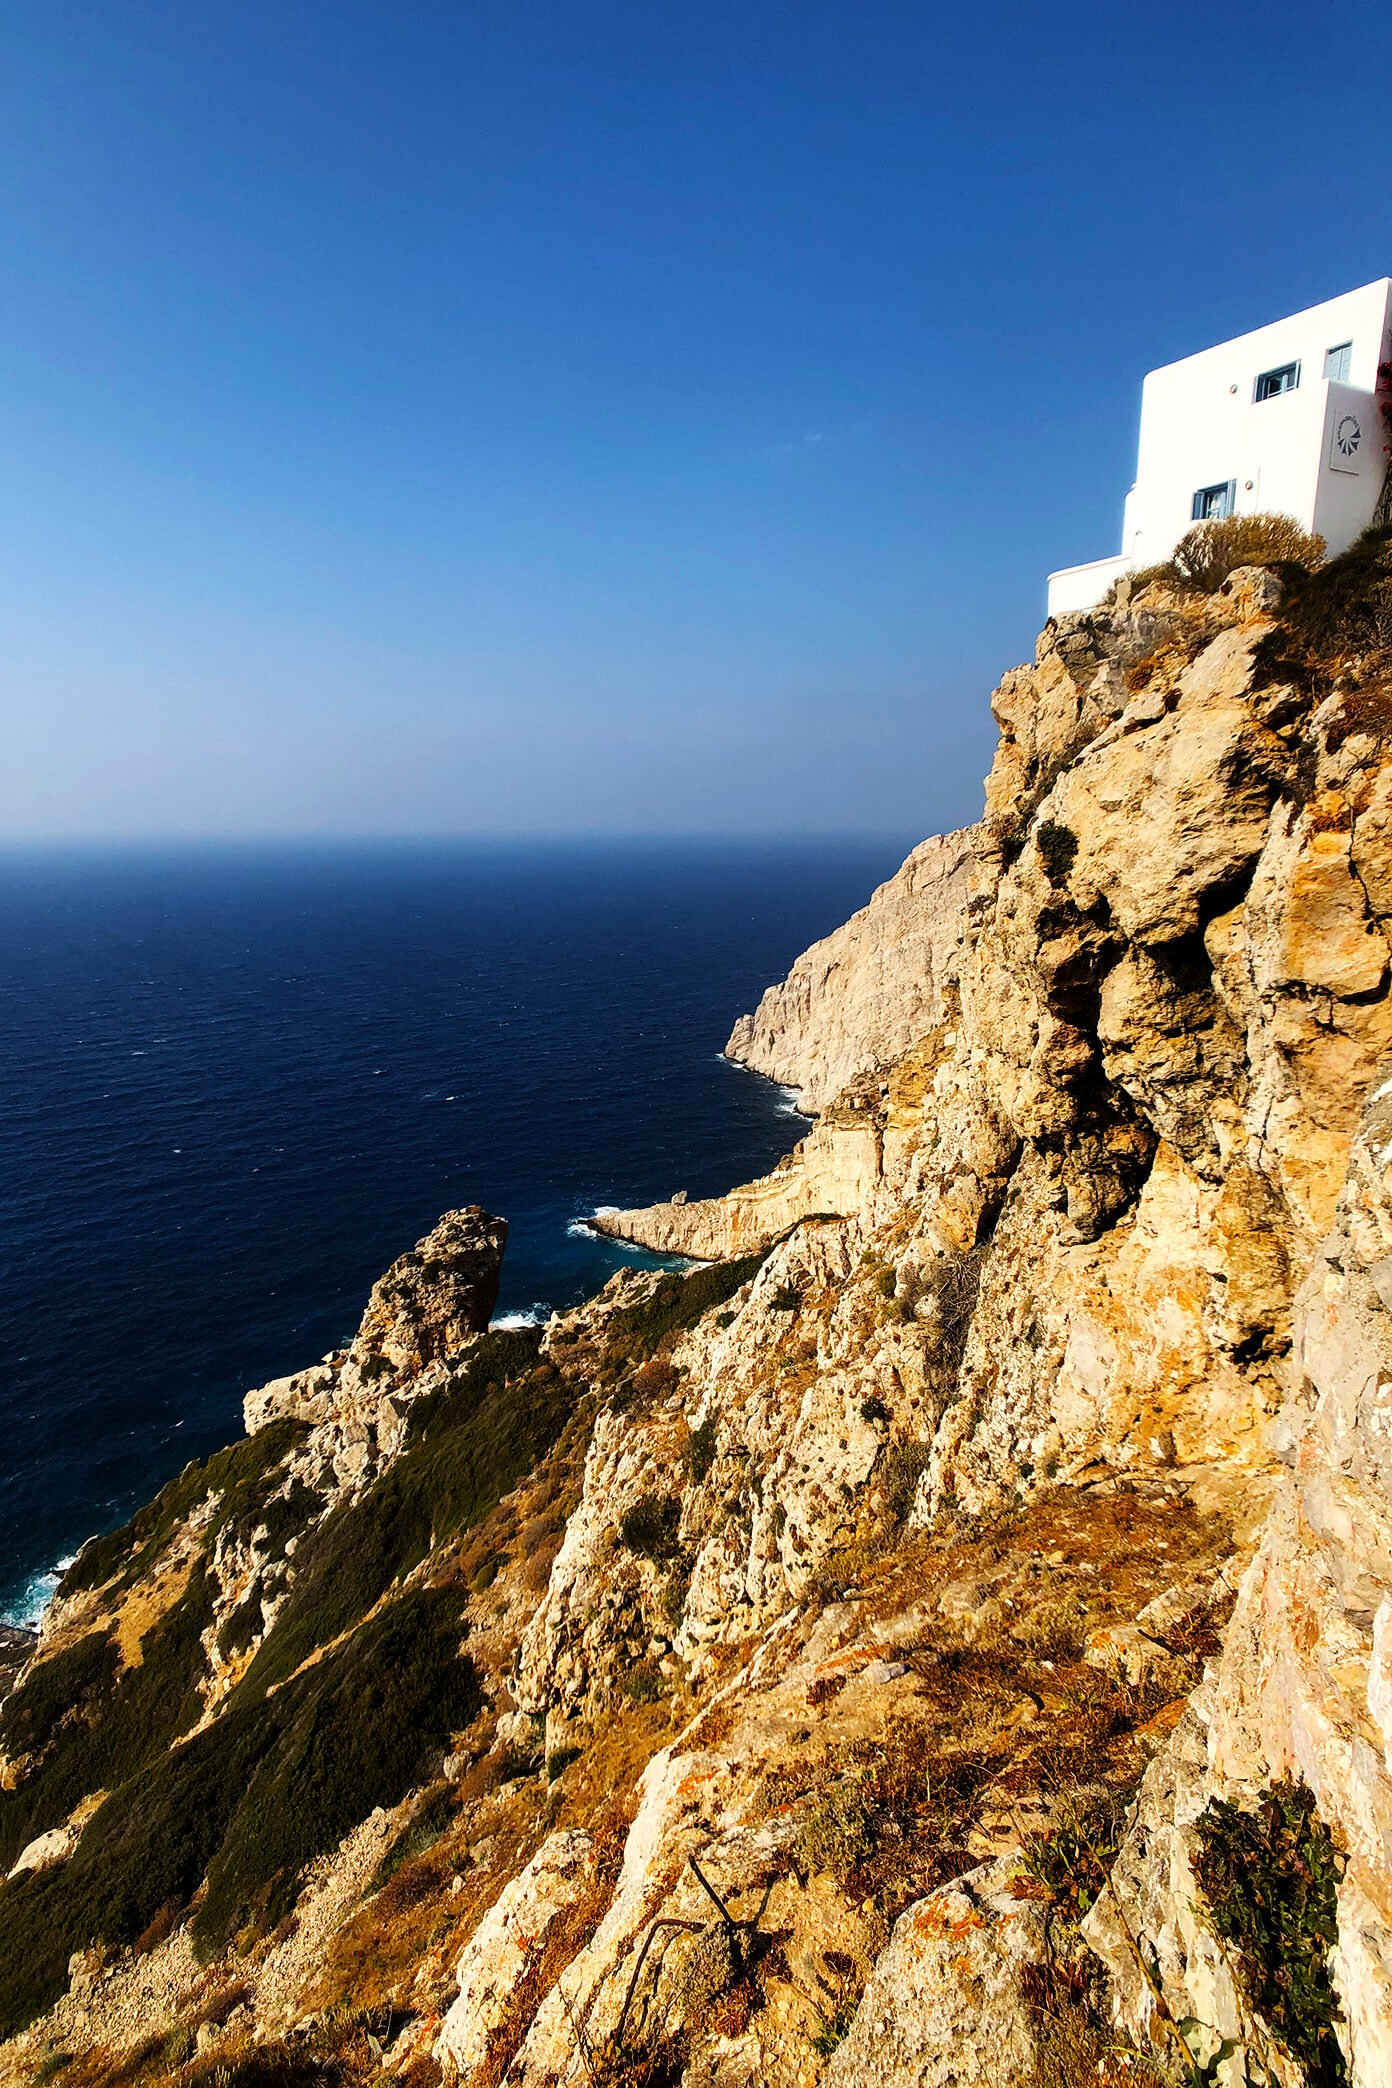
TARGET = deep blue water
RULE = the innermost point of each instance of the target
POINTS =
(235, 1084)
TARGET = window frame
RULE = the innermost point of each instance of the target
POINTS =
(1227, 488)
(1286, 369)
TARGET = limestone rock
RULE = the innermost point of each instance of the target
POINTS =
(304, 1396)
(834, 1172)
(1094, 1227)
(506, 1946)
(944, 2008)
(1301, 1690)
(857, 1000)
(432, 1299)
(45, 1851)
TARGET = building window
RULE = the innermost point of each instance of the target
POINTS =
(1212, 503)
(1338, 362)
(1272, 383)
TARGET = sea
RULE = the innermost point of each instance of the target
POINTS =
(236, 1083)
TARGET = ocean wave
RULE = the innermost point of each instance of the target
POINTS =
(527, 1316)
(584, 1228)
(25, 1610)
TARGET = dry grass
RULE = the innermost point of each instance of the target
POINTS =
(1205, 555)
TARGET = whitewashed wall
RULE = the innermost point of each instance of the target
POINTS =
(1201, 424)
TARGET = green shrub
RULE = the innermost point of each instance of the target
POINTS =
(838, 1834)
(700, 1451)
(642, 1682)
(179, 2046)
(650, 1526)
(1073, 1860)
(833, 2025)
(1344, 607)
(1058, 849)
(1054, 1627)
(675, 1588)
(559, 1760)
(1271, 1880)
(874, 1409)
(901, 1467)
(1207, 553)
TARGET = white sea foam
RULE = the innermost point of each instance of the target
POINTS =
(529, 1316)
(787, 1104)
(27, 1608)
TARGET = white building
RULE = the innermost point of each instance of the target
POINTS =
(1282, 421)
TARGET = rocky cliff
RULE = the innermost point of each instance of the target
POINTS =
(863, 996)
(941, 1639)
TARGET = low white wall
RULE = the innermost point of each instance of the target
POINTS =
(1083, 586)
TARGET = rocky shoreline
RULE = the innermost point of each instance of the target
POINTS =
(905, 1648)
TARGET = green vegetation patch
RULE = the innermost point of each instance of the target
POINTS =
(470, 1443)
(650, 1526)
(241, 1474)
(675, 1303)
(700, 1451)
(430, 1820)
(642, 1682)
(1058, 849)
(1271, 1879)
(1072, 1862)
(351, 1736)
(900, 1468)
(67, 1685)
(249, 1801)
(100, 1735)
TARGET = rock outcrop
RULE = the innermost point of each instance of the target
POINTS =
(859, 999)
(834, 1172)
(1302, 1692)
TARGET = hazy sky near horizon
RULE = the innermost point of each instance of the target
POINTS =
(426, 416)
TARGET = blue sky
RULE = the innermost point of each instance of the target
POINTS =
(425, 417)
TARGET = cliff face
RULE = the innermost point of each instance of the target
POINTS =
(835, 1662)
(863, 996)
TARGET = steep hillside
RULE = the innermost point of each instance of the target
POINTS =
(941, 1639)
